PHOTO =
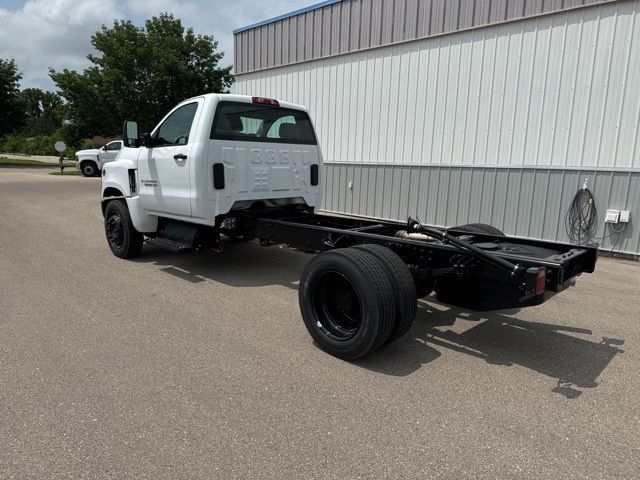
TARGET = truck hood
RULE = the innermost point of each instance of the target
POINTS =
(90, 151)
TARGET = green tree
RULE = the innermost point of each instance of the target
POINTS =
(11, 112)
(42, 110)
(139, 74)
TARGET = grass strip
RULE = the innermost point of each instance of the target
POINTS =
(69, 172)
(19, 162)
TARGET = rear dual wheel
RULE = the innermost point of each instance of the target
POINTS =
(402, 285)
(354, 300)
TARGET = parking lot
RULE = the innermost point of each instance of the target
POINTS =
(199, 366)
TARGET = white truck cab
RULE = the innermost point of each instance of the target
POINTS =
(208, 157)
(91, 161)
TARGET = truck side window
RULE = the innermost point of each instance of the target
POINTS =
(251, 122)
(113, 146)
(175, 129)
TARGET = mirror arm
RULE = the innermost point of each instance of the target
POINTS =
(148, 140)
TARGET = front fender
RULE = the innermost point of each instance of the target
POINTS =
(143, 222)
(116, 175)
(115, 185)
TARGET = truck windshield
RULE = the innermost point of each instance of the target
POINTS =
(261, 123)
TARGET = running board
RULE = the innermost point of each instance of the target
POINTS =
(168, 244)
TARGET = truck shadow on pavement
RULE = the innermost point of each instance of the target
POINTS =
(239, 265)
(498, 337)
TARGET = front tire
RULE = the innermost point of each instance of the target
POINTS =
(123, 239)
(89, 169)
(347, 303)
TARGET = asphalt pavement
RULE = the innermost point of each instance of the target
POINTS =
(199, 366)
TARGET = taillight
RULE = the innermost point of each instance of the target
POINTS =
(266, 101)
(541, 280)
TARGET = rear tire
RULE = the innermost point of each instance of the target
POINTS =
(123, 239)
(404, 287)
(346, 302)
(481, 228)
(89, 169)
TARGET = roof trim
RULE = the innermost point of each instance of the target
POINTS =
(300, 11)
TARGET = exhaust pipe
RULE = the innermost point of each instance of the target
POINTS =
(414, 236)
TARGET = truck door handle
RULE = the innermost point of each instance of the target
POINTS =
(179, 156)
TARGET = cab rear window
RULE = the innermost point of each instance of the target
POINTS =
(249, 122)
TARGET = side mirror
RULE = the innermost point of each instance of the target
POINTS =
(130, 136)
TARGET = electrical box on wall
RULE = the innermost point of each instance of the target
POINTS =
(625, 216)
(612, 216)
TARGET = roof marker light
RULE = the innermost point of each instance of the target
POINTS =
(265, 101)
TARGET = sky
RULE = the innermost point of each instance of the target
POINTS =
(40, 34)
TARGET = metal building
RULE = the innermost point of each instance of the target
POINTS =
(463, 111)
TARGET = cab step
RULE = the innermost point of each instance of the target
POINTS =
(169, 244)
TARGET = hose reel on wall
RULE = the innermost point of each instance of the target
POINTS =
(581, 220)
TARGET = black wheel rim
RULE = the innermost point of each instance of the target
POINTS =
(88, 170)
(337, 306)
(115, 230)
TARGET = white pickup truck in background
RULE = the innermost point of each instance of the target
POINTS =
(91, 161)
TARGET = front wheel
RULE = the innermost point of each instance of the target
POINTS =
(89, 169)
(123, 239)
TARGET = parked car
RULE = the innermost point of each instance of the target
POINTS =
(90, 161)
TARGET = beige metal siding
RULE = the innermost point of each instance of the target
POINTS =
(352, 25)
(499, 124)
(525, 202)
(556, 90)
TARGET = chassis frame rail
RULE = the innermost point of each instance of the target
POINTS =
(494, 264)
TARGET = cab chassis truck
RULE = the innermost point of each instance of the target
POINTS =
(250, 168)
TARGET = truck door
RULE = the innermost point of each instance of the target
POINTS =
(163, 169)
